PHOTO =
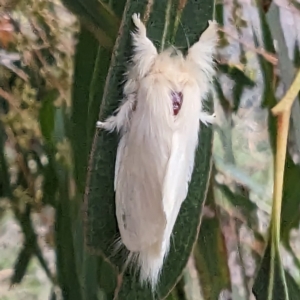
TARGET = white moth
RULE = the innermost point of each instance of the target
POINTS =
(159, 124)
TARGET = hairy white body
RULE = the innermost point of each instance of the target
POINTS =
(155, 157)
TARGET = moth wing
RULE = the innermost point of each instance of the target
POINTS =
(181, 163)
(142, 160)
(119, 157)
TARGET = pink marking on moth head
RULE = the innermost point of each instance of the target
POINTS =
(177, 99)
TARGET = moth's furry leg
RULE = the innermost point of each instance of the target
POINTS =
(121, 119)
(206, 119)
(144, 50)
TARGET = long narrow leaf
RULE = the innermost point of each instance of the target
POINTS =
(211, 253)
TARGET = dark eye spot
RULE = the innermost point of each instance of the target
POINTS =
(177, 99)
(124, 220)
(134, 106)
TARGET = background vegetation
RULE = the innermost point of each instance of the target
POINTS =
(61, 67)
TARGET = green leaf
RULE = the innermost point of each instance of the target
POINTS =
(46, 115)
(22, 263)
(296, 55)
(107, 277)
(241, 81)
(85, 58)
(211, 253)
(241, 203)
(55, 134)
(101, 226)
(98, 18)
(60, 125)
(87, 264)
(91, 67)
(269, 283)
(173, 296)
(38, 253)
(239, 176)
(50, 183)
(30, 245)
(245, 206)
(225, 104)
(272, 282)
(96, 90)
(290, 202)
(65, 255)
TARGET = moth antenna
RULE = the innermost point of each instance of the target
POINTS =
(144, 50)
(201, 57)
(201, 53)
